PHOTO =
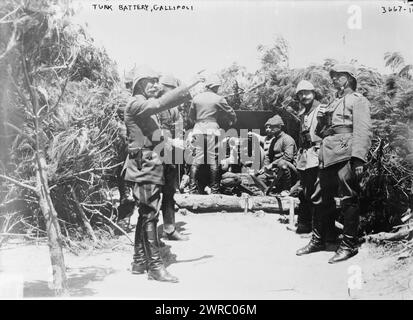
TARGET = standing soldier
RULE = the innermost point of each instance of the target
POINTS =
(345, 127)
(168, 120)
(206, 110)
(145, 169)
(307, 159)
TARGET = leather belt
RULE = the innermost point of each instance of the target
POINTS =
(337, 130)
(209, 119)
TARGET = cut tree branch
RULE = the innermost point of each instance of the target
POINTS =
(20, 184)
(73, 176)
(113, 224)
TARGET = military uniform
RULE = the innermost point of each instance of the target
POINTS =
(278, 161)
(168, 120)
(205, 111)
(280, 156)
(145, 168)
(307, 164)
(346, 131)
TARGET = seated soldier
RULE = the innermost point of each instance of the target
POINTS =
(233, 167)
(279, 170)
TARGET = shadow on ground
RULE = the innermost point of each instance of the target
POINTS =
(78, 279)
(170, 258)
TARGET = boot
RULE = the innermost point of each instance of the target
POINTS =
(305, 213)
(303, 228)
(331, 230)
(316, 244)
(348, 245)
(156, 268)
(193, 182)
(346, 249)
(174, 236)
(215, 178)
(139, 265)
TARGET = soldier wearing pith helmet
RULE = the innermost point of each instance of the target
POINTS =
(346, 130)
(169, 119)
(307, 157)
(144, 166)
(207, 109)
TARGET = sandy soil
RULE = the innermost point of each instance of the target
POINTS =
(228, 256)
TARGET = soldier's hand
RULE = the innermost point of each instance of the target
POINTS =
(321, 112)
(251, 134)
(357, 167)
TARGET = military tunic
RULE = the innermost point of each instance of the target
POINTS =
(347, 130)
(143, 165)
(308, 153)
(307, 162)
(281, 153)
(205, 110)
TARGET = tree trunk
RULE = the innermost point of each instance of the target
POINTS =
(218, 202)
(60, 285)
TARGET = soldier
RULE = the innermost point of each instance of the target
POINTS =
(307, 158)
(280, 156)
(168, 120)
(345, 127)
(206, 110)
(145, 169)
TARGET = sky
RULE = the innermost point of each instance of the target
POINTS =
(217, 33)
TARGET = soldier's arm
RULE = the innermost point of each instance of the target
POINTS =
(141, 107)
(289, 149)
(362, 129)
(224, 106)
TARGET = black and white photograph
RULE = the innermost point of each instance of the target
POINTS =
(206, 151)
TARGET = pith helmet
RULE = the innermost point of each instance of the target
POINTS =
(345, 68)
(144, 72)
(213, 81)
(304, 85)
(169, 80)
(275, 120)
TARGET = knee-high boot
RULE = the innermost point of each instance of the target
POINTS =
(349, 244)
(194, 179)
(215, 177)
(139, 264)
(156, 268)
(305, 214)
(317, 242)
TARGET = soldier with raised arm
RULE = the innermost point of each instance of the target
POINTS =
(145, 168)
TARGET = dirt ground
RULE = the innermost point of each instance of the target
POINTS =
(228, 256)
